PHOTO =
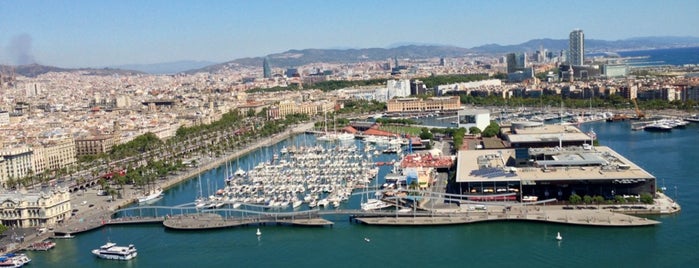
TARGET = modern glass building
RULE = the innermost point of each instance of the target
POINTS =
(266, 70)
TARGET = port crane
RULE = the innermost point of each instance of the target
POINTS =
(639, 114)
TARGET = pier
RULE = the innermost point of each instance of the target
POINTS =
(555, 214)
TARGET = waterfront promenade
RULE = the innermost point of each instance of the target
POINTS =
(94, 211)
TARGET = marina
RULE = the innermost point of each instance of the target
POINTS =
(171, 203)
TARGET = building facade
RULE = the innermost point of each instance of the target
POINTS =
(18, 163)
(92, 145)
(433, 104)
(576, 47)
(516, 62)
(53, 154)
(311, 108)
(35, 209)
(474, 118)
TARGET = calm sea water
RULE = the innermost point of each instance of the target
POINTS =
(671, 157)
(671, 56)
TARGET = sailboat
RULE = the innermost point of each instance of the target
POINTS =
(373, 203)
(200, 202)
(334, 136)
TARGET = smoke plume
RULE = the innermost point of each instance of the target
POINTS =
(20, 49)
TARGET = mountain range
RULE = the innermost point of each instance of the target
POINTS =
(296, 57)
(166, 67)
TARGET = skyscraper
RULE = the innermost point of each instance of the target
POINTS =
(516, 62)
(576, 47)
(266, 71)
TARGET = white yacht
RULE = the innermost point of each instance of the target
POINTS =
(151, 196)
(240, 173)
(111, 251)
(373, 204)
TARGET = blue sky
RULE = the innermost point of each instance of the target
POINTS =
(104, 33)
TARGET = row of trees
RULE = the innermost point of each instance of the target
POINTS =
(401, 121)
(362, 107)
(575, 199)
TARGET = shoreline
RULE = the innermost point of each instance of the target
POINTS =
(100, 210)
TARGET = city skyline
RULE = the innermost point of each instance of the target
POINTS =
(98, 34)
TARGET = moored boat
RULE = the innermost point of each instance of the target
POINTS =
(9, 262)
(694, 118)
(43, 245)
(657, 126)
(111, 251)
(151, 196)
(14, 260)
(373, 204)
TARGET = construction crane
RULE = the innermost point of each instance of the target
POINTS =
(639, 114)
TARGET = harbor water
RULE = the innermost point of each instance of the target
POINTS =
(671, 157)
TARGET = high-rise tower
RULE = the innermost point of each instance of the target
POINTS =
(576, 47)
(266, 71)
(516, 62)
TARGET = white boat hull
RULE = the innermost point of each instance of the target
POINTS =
(97, 253)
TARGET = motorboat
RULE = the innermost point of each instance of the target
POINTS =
(258, 233)
(65, 236)
(10, 262)
(694, 118)
(657, 126)
(558, 236)
(111, 251)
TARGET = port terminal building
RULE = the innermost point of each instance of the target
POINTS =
(531, 174)
(528, 134)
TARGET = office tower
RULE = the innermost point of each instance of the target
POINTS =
(266, 71)
(576, 49)
(516, 62)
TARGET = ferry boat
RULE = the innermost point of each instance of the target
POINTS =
(111, 251)
(43, 245)
(152, 195)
